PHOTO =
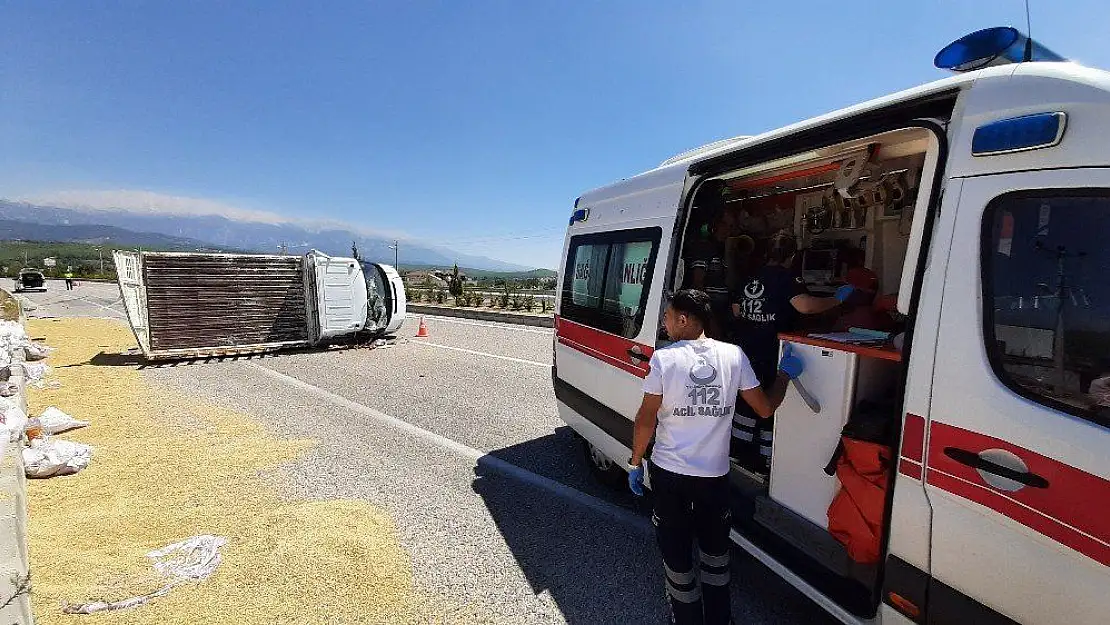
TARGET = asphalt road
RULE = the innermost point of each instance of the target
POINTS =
(88, 299)
(457, 435)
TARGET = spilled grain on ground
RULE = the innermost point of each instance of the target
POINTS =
(167, 467)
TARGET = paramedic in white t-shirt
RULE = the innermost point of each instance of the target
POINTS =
(689, 397)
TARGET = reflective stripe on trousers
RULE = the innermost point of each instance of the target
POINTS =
(714, 569)
(765, 439)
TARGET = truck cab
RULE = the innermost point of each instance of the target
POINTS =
(979, 204)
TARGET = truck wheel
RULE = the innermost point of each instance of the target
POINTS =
(603, 468)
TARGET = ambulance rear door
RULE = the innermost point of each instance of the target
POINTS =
(1017, 447)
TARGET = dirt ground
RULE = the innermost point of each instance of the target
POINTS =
(167, 467)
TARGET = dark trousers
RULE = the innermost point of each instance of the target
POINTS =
(752, 436)
(691, 508)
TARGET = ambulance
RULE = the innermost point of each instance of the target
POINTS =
(980, 204)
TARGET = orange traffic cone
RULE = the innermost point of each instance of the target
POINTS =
(423, 330)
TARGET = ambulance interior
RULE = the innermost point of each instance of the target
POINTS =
(850, 208)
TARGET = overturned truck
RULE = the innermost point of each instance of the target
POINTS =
(191, 304)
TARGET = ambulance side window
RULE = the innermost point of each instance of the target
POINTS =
(609, 279)
(1046, 297)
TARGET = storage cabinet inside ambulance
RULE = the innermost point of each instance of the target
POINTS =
(855, 212)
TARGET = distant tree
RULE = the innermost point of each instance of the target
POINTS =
(454, 283)
(354, 251)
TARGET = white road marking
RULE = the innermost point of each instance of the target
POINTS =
(466, 452)
(487, 355)
(498, 326)
(109, 309)
(78, 298)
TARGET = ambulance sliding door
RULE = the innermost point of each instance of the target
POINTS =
(1017, 468)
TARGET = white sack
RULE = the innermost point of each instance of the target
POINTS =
(35, 371)
(189, 560)
(50, 457)
(55, 421)
(34, 351)
(14, 421)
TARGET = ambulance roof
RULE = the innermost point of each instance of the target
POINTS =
(1064, 71)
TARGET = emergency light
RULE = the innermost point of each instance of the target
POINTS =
(1017, 134)
(992, 46)
(581, 214)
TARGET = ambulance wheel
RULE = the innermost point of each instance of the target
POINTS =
(603, 468)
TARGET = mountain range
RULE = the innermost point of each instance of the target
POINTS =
(22, 220)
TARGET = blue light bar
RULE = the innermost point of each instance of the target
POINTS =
(1018, 134)
(992, 46)
(581, 214)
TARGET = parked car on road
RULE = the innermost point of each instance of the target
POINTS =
(30, 280)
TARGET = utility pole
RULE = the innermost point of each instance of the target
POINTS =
(100, 253)
(282, 247)
(396, 247)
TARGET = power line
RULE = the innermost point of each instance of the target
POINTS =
(536, 234)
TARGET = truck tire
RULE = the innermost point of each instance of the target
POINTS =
(603, 468)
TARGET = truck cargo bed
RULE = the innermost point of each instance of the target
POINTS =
(188, 304)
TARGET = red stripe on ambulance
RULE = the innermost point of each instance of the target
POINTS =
(608, 348)
(1074, 509)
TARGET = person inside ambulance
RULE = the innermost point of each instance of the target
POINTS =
(705, 257)
(689, 398)
(769, 303)
(1099, 391)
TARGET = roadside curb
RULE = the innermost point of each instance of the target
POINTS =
(524, 319)
(13, 512)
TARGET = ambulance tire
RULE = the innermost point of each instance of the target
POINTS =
(603, 468)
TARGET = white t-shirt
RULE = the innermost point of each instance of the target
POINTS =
(699, 382)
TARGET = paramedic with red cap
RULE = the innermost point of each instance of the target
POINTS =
(689, 397)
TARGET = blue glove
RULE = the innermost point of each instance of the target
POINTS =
(844, 292)
(636, 481)
(790, 365)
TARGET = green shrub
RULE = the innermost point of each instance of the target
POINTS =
(441, 296)
(503, 298)
(529, 302)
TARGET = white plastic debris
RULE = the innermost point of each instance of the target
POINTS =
(35, 371)
(55, 421)
(8, 389)
(194, 559)
(52, 457)
(13, 420)
(34, 351)
(46, 385)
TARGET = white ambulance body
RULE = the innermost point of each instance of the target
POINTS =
(999, 505)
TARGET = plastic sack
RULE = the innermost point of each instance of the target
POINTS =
(48, 457)
(12, 420)
(35, 371)
(55, 421)
(34, 351)
(189, 560)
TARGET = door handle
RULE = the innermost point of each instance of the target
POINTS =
(635, 353)
(974, 460)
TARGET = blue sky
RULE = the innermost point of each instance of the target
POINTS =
(472, 125)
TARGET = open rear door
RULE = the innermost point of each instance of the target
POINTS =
(129, 275)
